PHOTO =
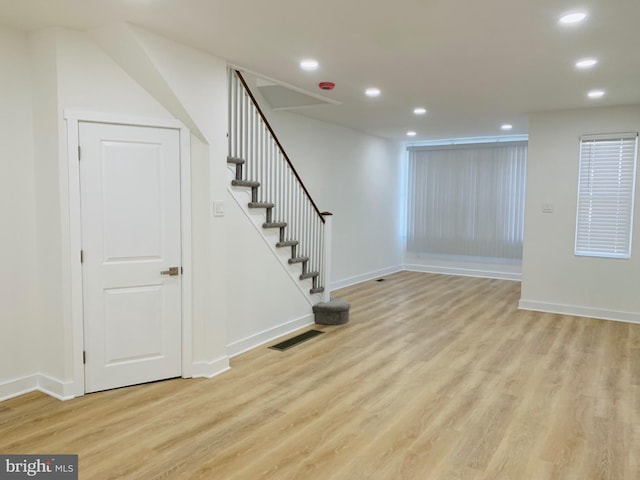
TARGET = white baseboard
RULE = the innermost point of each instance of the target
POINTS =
(253, 341)
(603, 314)
(56, 388)
(18, 386)
(347, 282)
(211, 368)
(37, 381)
(464, 272)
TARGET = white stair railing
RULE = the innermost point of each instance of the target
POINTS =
(252, 139)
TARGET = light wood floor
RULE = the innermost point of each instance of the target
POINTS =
(435, 377)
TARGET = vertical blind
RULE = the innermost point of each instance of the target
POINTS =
(467, 200)
(606, 185)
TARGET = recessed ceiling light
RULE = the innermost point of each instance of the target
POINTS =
(309, 64)
(596, 94)
(586, 63)
(420, 110)
(411, 133)
(506, 126)
(572, 18)
(372, 92)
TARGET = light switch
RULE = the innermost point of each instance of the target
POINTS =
(547, 208)
(218, 208)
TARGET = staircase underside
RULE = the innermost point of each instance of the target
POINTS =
(270, 223)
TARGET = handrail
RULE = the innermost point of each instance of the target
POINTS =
(277, 141)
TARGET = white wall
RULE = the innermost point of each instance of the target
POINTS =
(47, 195)
(264, 300)
(18, 290)
(358, 178)
(88, 79)
(554, 278)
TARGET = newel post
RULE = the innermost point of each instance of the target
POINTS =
(326, 254)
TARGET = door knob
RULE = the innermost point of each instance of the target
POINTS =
(173, 271)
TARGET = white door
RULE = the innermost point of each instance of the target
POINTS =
(130, 202)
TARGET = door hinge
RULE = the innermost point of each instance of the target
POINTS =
(84, 357)
(81, 256)
(79, 154)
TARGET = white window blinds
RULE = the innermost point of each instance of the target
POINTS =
(467, 200)
(606, 187)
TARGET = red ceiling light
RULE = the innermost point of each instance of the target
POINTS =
(326, 85)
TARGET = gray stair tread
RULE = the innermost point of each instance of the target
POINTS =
(235, 160)
(274, 225)
(245, 183)
(261, 205)
(317, 290)
(288, 243)
(309, 275)
(299, 260)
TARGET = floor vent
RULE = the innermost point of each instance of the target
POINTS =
(298, 339)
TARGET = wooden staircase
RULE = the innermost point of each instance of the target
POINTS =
(270, 222)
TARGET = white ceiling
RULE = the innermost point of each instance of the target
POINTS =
(474, 64)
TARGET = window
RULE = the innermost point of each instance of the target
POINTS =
(606, 186)
(467, 200)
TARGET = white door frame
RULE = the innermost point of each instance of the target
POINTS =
(75, 310)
